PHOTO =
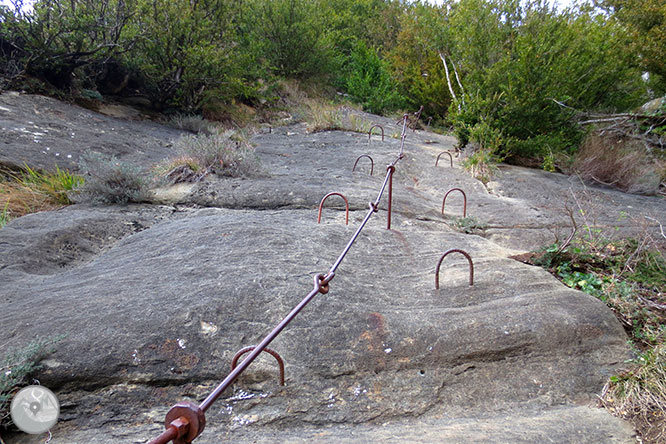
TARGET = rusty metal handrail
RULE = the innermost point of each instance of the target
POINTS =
(270, 351)
(373, 127)
(464, 253)
(440, 155)
(372, 163)
(185, 421)
(321, 206)
(464, 200)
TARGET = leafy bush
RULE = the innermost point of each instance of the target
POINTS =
(368, 81)
(110, 181)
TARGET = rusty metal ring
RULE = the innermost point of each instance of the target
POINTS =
(276, 355)
(440, 155)
(464, 253)
(372, 163)
(464, 200)
(373, 127)
(321, 205)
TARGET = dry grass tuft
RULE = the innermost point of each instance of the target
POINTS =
(639, 394)
(620, 162)
(29, 191)
(325, 117)
(225, 153)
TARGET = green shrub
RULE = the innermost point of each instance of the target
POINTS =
(110, 181)
(369, 82)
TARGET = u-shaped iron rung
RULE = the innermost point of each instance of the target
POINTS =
(440, 155)
(242, 351)
(469, 259)
(321, 205)
(372, 163)
(373, 127)
(464, 200)
(429, 120)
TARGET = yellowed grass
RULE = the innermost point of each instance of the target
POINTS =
(20, 200)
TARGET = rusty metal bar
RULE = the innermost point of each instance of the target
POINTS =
(321, 205)
(372, 163)
(440, 155)
(373, 127)
(270, 351)
(403, 135)
(469, 259)
(391, 170)
(464, 200)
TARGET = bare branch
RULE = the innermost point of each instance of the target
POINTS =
(448, 80)
(661, 227)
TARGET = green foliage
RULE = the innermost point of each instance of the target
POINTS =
(646, 22)
(516, 62)
(290, 36)
(185, 49)
(110, 181)
(61, 37)
(56, 186)
(15, 369)
(605, 273)
(469, 225)
(368, 81)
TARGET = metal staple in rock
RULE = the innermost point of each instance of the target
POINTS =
(185, 421)
(372, 163)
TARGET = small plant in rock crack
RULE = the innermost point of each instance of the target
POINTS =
(4, 215)
(469, 225)
(109, 180)
(223, 153)
(17, 367)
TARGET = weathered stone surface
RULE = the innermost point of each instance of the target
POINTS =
(155, 300)
(43, 132)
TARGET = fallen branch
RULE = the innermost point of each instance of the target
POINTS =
(652, 304)
(661, 227)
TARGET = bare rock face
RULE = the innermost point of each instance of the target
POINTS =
(154, 301)
(44, 133)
